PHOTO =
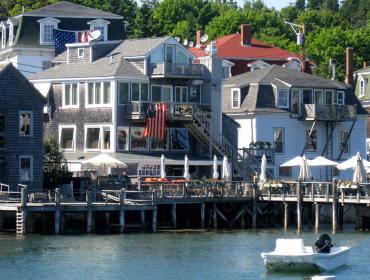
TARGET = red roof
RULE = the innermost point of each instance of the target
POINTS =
(229, 47)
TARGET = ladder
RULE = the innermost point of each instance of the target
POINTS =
(20, 223)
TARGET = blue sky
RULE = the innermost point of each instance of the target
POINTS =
(272, 3)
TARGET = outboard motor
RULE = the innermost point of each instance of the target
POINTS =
(323, 244)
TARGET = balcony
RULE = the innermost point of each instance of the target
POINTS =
(175, 111)
(318, 112)
(176, 70)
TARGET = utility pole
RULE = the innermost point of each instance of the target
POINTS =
(300, 32)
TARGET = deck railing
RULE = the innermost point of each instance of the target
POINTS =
(328, 112)
(162, 69)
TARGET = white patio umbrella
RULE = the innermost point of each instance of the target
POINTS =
(263, 176)
(163, 167)
(304, 171)
(104, 160)
(359, 175)
(351, 163)
(215, 167)
(186, 168)
(321, 161)
(225, 169)
(293, 162)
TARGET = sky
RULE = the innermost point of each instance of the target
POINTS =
(277, 4)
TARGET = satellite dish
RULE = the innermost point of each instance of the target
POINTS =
(177, 39)
(191, 44)
(204, 38)
(94, 35)
(185, 42)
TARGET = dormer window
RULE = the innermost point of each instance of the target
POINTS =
(235, 98)
(3, 35)
(362, 86)
(102, 25)
(283, 98)
(47, 26)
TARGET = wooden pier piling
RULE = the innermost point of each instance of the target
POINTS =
(334, 206)
(90, 222)
(122, 196)
(254, 205)
(214, 212)
(317, 217)
(57, 211)
(174, 215)
(299, 206)
(286, 215)
(202, 214)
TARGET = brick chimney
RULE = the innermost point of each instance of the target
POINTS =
(349, 66)
(200, 33)
(246, 34)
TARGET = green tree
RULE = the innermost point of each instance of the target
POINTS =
(224, 24)
(355, 12)
(300, 4)
(144, 22)
(314, 4)
(127, 9)
(55, 166)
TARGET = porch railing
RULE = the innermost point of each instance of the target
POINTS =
(327, 112)
(163, 69)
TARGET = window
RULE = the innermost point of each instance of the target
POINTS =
(139, 92)
(283, 98)
(235, 98)
(339, 100)
(311, 140)
(162, 93)
(124, 91)
(159, 144)
(25, 168)
(98, 138)
(295, 101)
(362, 86)
(80, 52)
(47, 26)
(98, 94)
(137, 141)
(344, 141)
(2, 132)
(179, 139)
(170, 53)
(279, 140)
(67, 137)
(328, 97)
(25, 123)
(102, 25)
(70, 96)
(307, 96)
(319, 97)
(122, 138)
(226, 72)
(156, 93)
(181, 94)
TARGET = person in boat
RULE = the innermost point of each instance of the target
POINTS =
(323, 244)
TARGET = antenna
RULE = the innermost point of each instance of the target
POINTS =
(191, 44)
(185, 42)
(204, 38)
(177, 39)
(94, 35)
(300, 32)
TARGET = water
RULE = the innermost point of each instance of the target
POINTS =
(196, 255)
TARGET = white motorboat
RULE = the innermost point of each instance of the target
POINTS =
(292, 255)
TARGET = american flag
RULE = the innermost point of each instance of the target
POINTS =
(155, 126)
(63, 37)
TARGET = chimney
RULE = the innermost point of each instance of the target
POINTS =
(366, 64)
(349, 66)
(200, 33)
(246, 34)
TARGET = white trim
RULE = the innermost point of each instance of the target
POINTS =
(94, 105)
(78, 44)
(113, 98)
(278, 90)
(285, 83)
(3, 35)
(44, 22)
(31, 168)
(31, 123)
(11, 32)
(101, 140)
(232, 98)
(96, 23)
(72, 106)
(174, 42)
(60, 127)
(362, 89)
(87, 79)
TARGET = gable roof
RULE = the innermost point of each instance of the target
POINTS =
(138, 47)
(284, 75)
(6, 67)
(229, 47)
(67, 9)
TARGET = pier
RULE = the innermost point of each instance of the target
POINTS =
(151, 206)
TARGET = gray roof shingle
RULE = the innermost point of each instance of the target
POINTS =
(67, 9)
(138, 47)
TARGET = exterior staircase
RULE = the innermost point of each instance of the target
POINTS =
(244, 165)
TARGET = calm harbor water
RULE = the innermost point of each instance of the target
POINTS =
(180, 255)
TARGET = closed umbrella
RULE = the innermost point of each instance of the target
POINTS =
(359, 174)
(163, 167)
(215, 167)
(263, 176)
(304, 171)
(186, 168)
(225, 169)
